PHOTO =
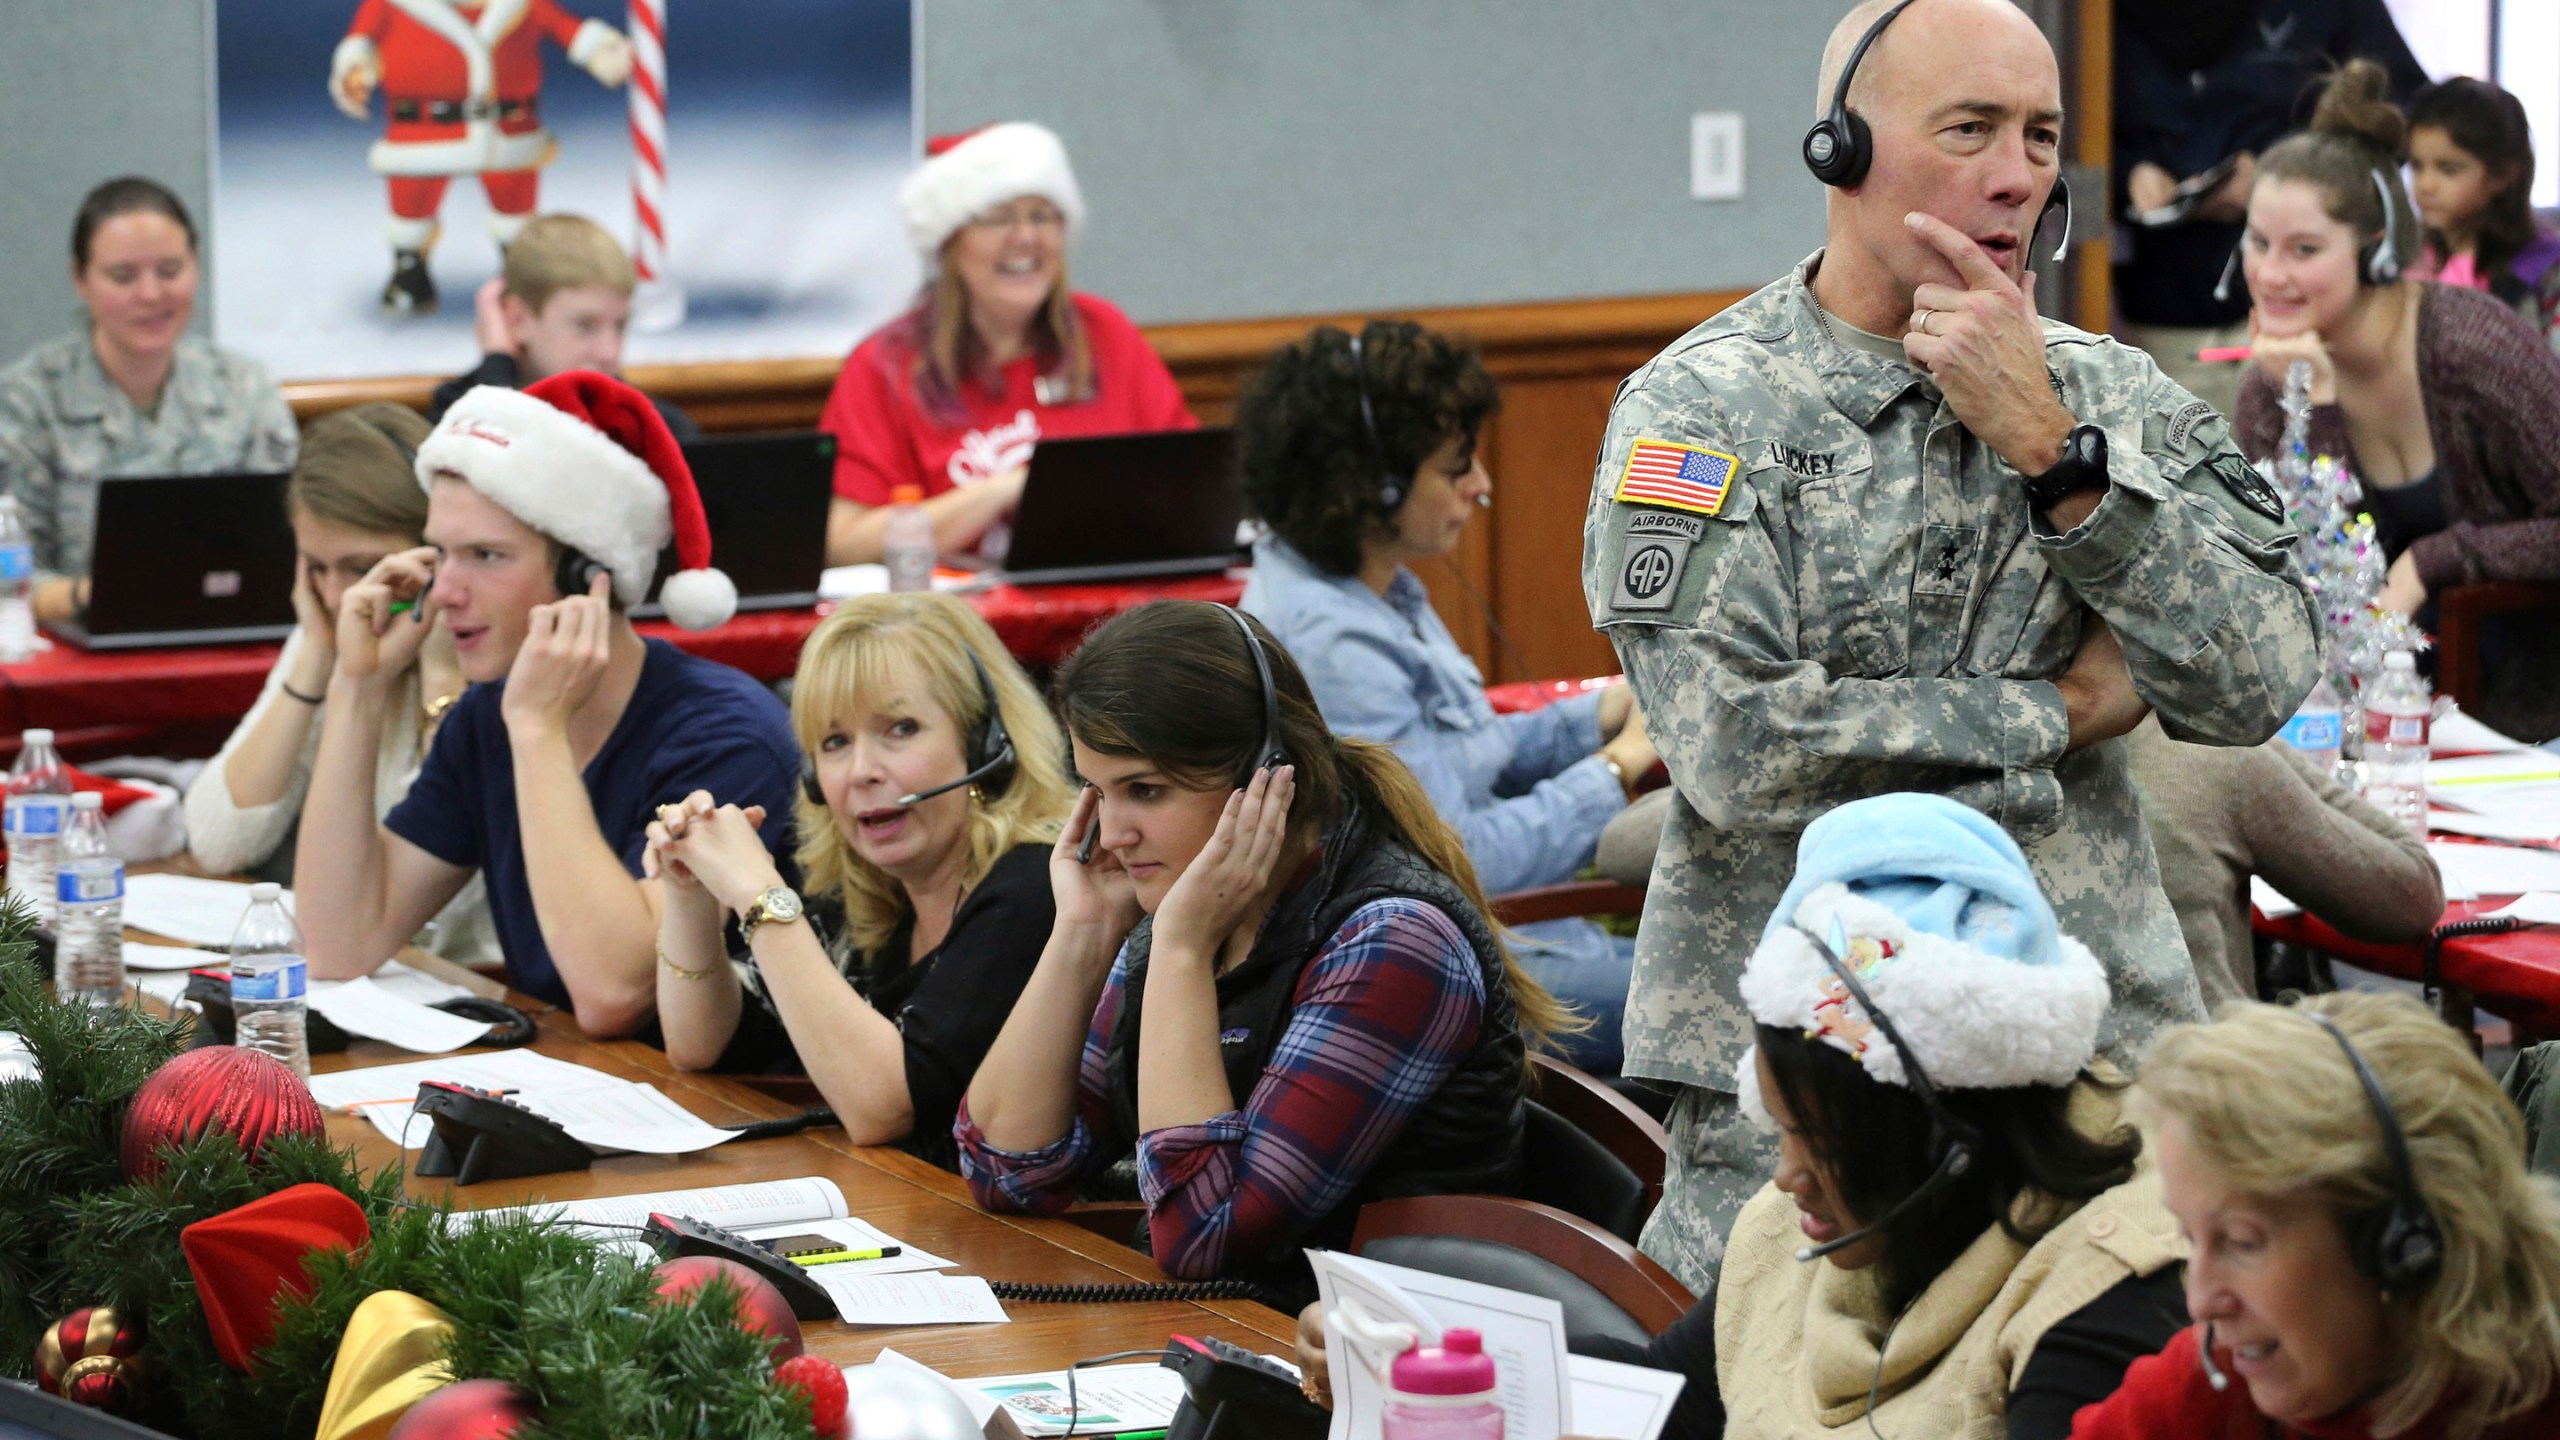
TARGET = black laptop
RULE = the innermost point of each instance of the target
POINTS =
(187, 560)
(1118, 507)
(766, 498)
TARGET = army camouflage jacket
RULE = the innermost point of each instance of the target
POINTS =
(64, 426)
(1823, 587)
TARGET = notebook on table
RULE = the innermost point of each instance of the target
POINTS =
(187, 560)
(1121, 507)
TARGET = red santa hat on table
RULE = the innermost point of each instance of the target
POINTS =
(586, 460)
(964, 174)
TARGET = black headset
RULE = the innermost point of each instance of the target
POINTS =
(1390, 485)
(2377, 260)
(1953, 1141)
(1272, 754)
(990, 753)
(1839, 147)
(2397, 1245)
(576, 572)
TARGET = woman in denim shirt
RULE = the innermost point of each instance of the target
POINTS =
(1359, 453)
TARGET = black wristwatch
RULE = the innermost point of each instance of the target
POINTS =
(2083, 466)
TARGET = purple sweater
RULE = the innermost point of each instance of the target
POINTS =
(2492, 395)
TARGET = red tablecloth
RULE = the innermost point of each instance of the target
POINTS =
(100, 702)
(2515, 976)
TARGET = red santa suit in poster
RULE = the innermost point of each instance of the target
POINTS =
(461, 82)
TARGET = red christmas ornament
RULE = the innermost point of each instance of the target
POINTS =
(241, 1093)
(761, 1308)
(823, 1383)
(87, 1357)
(471, 1410)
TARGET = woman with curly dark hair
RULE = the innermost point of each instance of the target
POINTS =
(1359, 453)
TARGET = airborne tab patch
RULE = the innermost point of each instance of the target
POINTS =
(1683, 477)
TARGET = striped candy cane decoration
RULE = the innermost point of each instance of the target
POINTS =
(660, 303)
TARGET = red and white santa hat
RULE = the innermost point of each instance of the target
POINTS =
(587, 460)
(964, 174)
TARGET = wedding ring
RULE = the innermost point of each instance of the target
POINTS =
(670, 812)
(1920, 320)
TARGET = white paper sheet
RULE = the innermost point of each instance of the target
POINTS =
(2457, 733)
(802, 1201)
(188, 907)
(856, 1234)
(1620, 1402)
(1523, 1333)
(2539, 907)
(181, 958)
(2270, 901)
(368, 1008)
(923, 1299)
(165, 986)
(981, 1408)
(2544, 825)
(594, 1107)
(2494, 869)
(2523, 785)
(1108, 1399)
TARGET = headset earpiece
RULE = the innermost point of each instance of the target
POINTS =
(1272, 755)
(1839, 147)
(990, 757)
(2379, 263)
(576, 572)
(809, 787)
(2059, 196)
(2397, 1245)
(1390, 486)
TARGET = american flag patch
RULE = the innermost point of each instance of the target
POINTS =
(1684, 477)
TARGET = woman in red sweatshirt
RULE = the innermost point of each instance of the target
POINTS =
(2370, 1257)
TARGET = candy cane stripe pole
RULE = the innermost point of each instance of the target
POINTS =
(660, 303)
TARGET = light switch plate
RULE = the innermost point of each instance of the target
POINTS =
(1715, 155)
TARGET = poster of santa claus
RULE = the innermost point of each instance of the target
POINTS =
(372, 158)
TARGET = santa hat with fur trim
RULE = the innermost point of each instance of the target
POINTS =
(1933, 908)
(587, 460)
(965, 173)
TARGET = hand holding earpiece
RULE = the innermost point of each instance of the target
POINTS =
(1223, 881)
(377, 637)
(1091, 890)
(567, 644)
(1984, 345)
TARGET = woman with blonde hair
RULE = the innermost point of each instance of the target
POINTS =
(1272, 975)
(933, 787)
(2369, 1256)
(997, 353)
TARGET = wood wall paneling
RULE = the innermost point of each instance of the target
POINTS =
(1559, 364)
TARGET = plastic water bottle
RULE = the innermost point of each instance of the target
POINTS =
(2396, 713)
(17, 585)
(1443, 1392)
(268, 981)
(88, 925)
(2318, 729)
(906, 543)
(38, 805)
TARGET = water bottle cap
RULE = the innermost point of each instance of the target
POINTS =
(88, 800)
(906, 494)
(1457, 1366)
(2399, 660)
(36, 735)
(265, 890)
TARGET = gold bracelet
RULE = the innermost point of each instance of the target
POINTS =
(704, 973)
(435, 709)
(1618, 773)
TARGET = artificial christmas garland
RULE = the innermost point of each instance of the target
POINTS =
(580, 1334)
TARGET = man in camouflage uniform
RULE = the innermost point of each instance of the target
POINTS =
(1809, 540)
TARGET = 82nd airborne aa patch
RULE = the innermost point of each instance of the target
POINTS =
(1656, 552)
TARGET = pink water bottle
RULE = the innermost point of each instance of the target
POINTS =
(1443, 1393)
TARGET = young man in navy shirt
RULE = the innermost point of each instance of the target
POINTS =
(546, 512)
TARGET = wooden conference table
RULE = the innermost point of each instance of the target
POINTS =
(112, 702)
(900, 1194)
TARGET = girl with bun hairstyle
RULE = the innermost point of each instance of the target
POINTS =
(2471, 159)
(2439, 399)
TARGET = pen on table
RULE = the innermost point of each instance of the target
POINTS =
(2223, 354)
(833, 1257)
(1141, 1435)
(352, 1106)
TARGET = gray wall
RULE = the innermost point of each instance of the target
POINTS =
(89, 90)
(1240, 157)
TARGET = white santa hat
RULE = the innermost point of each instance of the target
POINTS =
(964, 174)
(588, 461)
(1935, 911)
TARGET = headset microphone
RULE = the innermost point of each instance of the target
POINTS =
(2230, 268)
(990, 754)
(2213, 1374)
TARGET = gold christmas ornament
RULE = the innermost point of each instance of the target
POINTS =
(390, 1358)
